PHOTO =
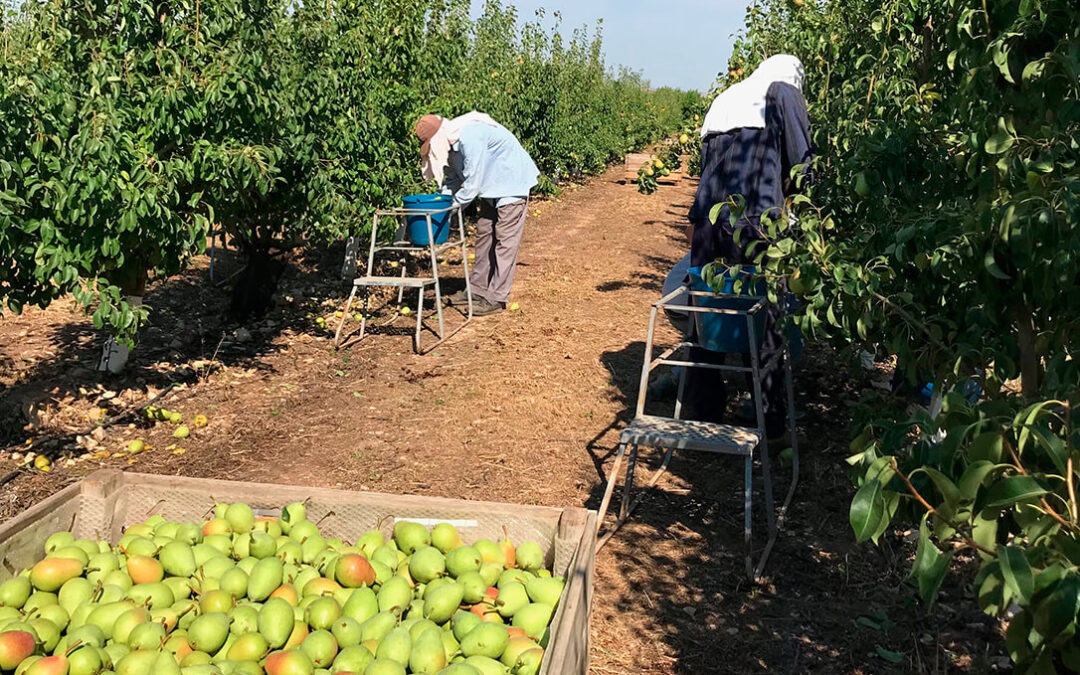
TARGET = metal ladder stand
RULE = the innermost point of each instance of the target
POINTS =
(402, 282)
(675, 433)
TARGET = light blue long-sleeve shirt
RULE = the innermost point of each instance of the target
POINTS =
(489, 162)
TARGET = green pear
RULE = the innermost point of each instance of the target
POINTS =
(72, 552)
(426, 564)
(276, 621)
(321, 647)
(48, 633)
(248, 647)
(441, 603)
(534, 619)
(262, 545)
(445, 537)
(528, 662)
(546, 590)
(322, 613)
(243, 620)
(411, 536)
(491, 572)
(474, 585)
(138, 663)
(303, 529)
(490, 552)
(265, 577)
(73, 593)
(290, 553)
(177, 559)
(459, 669)
(369, 541)
(58, 540)
(428, 655)
(387, 555)
(293, 513)
(56, 614)
(486, 666)
(384, 667)
(382, 572)
(396, 646)
(85, 660)
(512, 597)
(514, 649)
(346, 631)
(15, 591)
(208, 632)
(378, 626)
(311, 547)
(464, 622)
(395, 595)
(417, 626)
(519, 576)
(462, 560)
(530, 556)
(487, 639)
(126, 623)
(87, 635)
(352, 659)
(104, 616)
(361, 605)
(155, 596)
(147, 636)
(241, 519)
(234, 582)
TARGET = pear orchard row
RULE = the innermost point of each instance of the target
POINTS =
(243, 595)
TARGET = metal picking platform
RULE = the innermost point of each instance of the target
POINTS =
(673, 433)
(405, 250)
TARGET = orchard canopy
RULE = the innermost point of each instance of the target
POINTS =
(943, 229)
(128, 128)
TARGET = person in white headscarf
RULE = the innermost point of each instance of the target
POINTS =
(475, 157)
(755, 133)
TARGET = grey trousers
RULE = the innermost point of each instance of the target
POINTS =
(498, 238)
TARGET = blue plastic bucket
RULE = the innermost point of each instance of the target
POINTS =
(728, 333)
(417, 224)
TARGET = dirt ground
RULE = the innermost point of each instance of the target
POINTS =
(520, 407)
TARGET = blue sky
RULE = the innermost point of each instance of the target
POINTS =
(693, 36)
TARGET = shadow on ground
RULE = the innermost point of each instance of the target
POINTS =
(827, 605)
(187, 323)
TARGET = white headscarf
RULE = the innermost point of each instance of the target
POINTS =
(448, 134)
(742, 105)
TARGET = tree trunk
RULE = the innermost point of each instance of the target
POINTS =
(1029, 359)
(254, 291)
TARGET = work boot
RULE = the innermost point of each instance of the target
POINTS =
(484, 307)
(459, 298)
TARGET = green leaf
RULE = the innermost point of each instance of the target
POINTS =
(1056, 612)
(1013, 490)
(888, 655)
(1016, 571)
(999, 143)
(992, 267)
(984, 529)
(867, 510)
(973, 478)
(930, 566)
(988, 446)
(948, 489)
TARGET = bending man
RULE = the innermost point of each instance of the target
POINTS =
(472, 157)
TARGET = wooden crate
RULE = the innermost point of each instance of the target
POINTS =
(635, 161)
(107, 501)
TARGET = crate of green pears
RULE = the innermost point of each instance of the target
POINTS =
(239, 592)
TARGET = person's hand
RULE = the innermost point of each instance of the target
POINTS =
(690, 234)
